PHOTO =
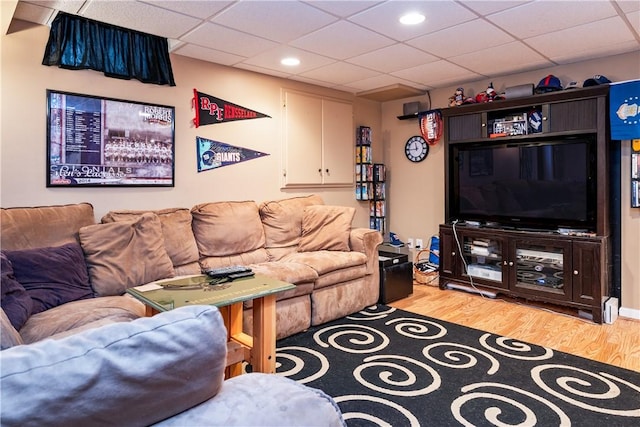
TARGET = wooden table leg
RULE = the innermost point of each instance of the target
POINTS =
(264, 335)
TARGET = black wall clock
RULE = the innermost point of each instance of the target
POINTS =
(416, 149)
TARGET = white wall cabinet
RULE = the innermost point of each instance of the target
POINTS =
(317, 141)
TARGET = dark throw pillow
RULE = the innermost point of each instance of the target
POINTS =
(52, 276)
(16, 302)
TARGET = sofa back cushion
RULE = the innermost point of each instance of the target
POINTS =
(122, 374)
(52, 276)
(326, 228)
(176, 229)
(38, 227)
(282, 219)
(124, 254)
(227, 228)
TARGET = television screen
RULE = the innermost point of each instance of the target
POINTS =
(95, 141)
(546, 184)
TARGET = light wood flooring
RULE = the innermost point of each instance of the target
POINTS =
(617, 344)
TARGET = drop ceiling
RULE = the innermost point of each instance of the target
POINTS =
(360, 46)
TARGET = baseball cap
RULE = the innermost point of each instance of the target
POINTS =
(596, 80)
(572, 85)
(549, 84)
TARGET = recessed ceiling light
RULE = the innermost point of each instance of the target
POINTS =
(412, 18)
(290, 62)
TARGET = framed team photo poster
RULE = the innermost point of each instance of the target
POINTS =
(99, 142)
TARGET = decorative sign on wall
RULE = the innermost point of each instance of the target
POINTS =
(624, 110)
(99, 142)
(211, 110)
(214, 154)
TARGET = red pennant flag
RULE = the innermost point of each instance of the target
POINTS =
(211, 110)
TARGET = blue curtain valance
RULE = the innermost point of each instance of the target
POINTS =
(79, 43)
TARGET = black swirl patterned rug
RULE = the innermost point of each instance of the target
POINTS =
(385, 366)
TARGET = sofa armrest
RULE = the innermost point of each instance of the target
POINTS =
(366, 241)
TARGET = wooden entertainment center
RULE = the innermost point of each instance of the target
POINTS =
(550, 262)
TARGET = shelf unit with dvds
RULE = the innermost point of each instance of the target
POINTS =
(377, 203)
(364, 164)
(370, 180)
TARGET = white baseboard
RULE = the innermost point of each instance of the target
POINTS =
(630, 313)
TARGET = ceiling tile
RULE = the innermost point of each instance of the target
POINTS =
(196, 8)
(228, 40)
(392, 58)
(343, 9)
(550, 16)
(628, 5)
(33, 13)
(280, 21)
(339, 73)
(270, 59)
(463, 38)
(437, 73)
(505, 59)
(331, 41)
(486, 7)
(439, 14)
(384, 80)
(206, 54)
(127, 14)
(579, 42)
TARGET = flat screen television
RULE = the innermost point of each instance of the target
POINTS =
(546, 184)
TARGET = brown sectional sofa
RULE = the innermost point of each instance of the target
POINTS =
(299, 240)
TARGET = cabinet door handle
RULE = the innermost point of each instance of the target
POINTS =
(320, 171)
(327, 171)
(453, 254)
(510, 263)
(575, 272)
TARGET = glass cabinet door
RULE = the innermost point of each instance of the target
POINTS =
(542, 267)
(483, 259)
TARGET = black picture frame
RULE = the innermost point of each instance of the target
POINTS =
(95, 141)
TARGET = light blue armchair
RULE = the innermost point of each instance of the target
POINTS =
(163, 370)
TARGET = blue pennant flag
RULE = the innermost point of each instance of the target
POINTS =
(214, 154)
(624, 110)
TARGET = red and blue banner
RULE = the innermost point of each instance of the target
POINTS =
(215, 154)
(211, 110)
(624, 110)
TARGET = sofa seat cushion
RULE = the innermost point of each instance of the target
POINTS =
(38, 227)
(326, 261)
(251, 257)
(282, 219)
(266, 400)
(77, 314)
(52, 276)
(340, 276)
(124, 254)
(290, 272)
(132, 373)
(176, 229)
(227, 228)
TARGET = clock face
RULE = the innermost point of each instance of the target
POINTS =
(416, 149)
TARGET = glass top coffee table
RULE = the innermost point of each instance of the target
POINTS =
(259, 350)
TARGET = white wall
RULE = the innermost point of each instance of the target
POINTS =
(23, 132)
